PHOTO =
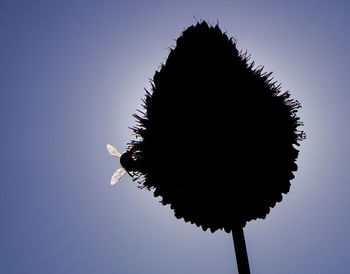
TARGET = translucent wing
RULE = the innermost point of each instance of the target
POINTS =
(113, 151)
(117, 175)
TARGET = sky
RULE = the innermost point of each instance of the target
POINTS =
(72, 73)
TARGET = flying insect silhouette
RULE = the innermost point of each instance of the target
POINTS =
(118, 174)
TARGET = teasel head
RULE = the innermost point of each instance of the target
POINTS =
(217, 139)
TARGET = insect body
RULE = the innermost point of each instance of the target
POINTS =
(126, 160)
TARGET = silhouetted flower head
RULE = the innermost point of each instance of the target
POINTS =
(217, 138)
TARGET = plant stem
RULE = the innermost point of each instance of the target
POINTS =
(240, 250)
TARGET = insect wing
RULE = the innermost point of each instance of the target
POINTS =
(117, 175)
(113, 151)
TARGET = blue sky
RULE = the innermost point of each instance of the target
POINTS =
(72, 74)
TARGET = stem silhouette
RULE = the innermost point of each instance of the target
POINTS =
(240, 250)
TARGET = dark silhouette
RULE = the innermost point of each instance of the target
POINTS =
(217, 139)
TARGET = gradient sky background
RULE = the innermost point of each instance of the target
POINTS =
(72, 74)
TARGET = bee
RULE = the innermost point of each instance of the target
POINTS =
(126, 161)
